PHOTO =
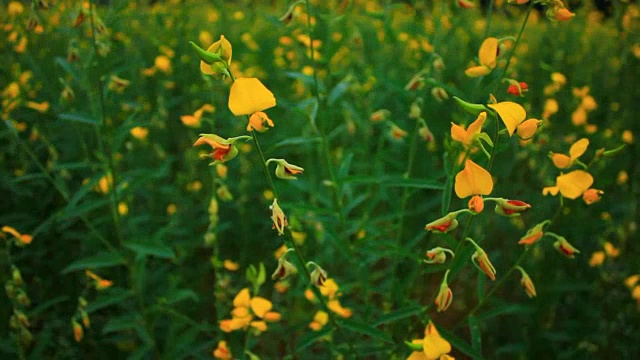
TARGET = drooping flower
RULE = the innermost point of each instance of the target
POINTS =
(285, 268)
(438, 255)
(434, 347)
(278, 217)
(534, 234)
(286, 171)
(526, 283)
(570, 185)
(259, 121)
(445, 223)
(562, 161)
(445, 295)
(511, 114)
(510, 208)
(223, 149)
(318, 276)
(481, 261)
(563, 246)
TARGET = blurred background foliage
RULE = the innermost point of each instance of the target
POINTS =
(97, 165)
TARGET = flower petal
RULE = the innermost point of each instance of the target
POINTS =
(512, 114)
(578, 148)
(573, 184)
(488, 52)
(242, 299)
(260, 306)
(473, 180)
(434, 346)
(477, 71)
(249, 95)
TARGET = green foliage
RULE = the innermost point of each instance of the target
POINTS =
(144, 247)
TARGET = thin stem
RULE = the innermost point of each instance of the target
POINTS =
(105, 148)
(515, 45)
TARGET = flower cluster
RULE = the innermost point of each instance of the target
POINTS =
(246, 310)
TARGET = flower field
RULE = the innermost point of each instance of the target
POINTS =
(342, 179)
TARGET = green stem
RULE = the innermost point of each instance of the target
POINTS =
(102, 134)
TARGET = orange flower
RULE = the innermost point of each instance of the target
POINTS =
(223, 149)
(99, 283)
(534, 234)
(591, 196)
(563, 246)
(222, 351)
(22, 239)
(510, 208)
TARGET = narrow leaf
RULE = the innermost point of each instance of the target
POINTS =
(308, 339)
(366, 329)
(157, 250)
(399, 315)
(102, 260)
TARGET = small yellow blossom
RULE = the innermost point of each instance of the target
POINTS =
(597, 258)
(511, 114)
(139, 132)
(487, 55)
(123, 208)
(473, 180)
(24, 239)
(222, 351)
(562, 161)
(434, 347)
(570, 185)
(230, 265)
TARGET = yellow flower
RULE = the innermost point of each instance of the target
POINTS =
(445, 295)
(527, 129)
(487, 55)
(434, 347)
(123, 208)
(562, 161)
(39, 107)
(473, 180)
(248, 96)
(139, 132)
(223, 48)
(162, 63)
(468, 137)
(257, 122)
(511, 114)
(15, 8)
(98, 282)
(245, 308)
(320, 319)
(78, 332)
(222, 351)
(570, 185)
(597, 258)
(230, 265)
(23, 239)
(195, 119)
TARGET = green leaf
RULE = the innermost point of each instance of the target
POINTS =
(503, 309)
(81, 118)
(394, 181)
(476, 334)
(460, 344)
(102, 260)
(295, 141)
(366, 329)
(157, 250)
(125, 322)
(308, 339)
(181, 295)
(399, 315)
(109, 297)
(77, 211)
(262, 275)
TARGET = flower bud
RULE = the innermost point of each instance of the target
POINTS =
(534, 234)
(318, 276)
(438, 255)
(510, 208)
(445, 223)
(78, 332)
(481, 261)
(517, 88)
(284, 269)
(439, 94)
(278, 217)
(445, 296)
(526, 282)
(591, 196)
(16, 276)
(286, 171)
(563, 246)
(476, 204)
(527, 129)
